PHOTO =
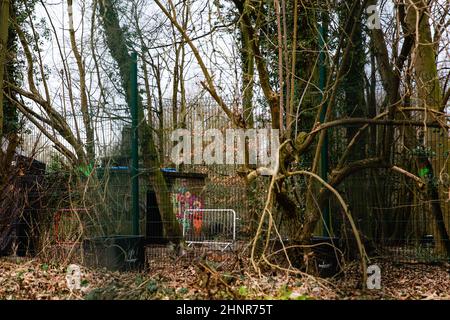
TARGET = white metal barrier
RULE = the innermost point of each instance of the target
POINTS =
(216, 227)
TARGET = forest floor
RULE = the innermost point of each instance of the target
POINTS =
(22, 278)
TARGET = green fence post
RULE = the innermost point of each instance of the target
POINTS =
(134, 144)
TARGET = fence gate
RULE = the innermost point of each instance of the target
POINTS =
(215, 227)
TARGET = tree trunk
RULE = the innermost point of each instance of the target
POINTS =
(4, 23)
(84, 107)
(355, 107)
(117, 45)
(430, 98)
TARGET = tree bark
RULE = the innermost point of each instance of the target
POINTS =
(430, 98)
(4, 24)
(117, 46)
(84, 107)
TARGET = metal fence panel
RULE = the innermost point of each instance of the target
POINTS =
(215, 227)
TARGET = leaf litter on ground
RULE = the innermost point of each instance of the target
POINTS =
(22, 278)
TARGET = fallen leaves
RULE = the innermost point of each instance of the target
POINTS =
(400, 281)
(33, 279)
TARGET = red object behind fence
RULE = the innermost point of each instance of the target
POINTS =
(57, 222)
